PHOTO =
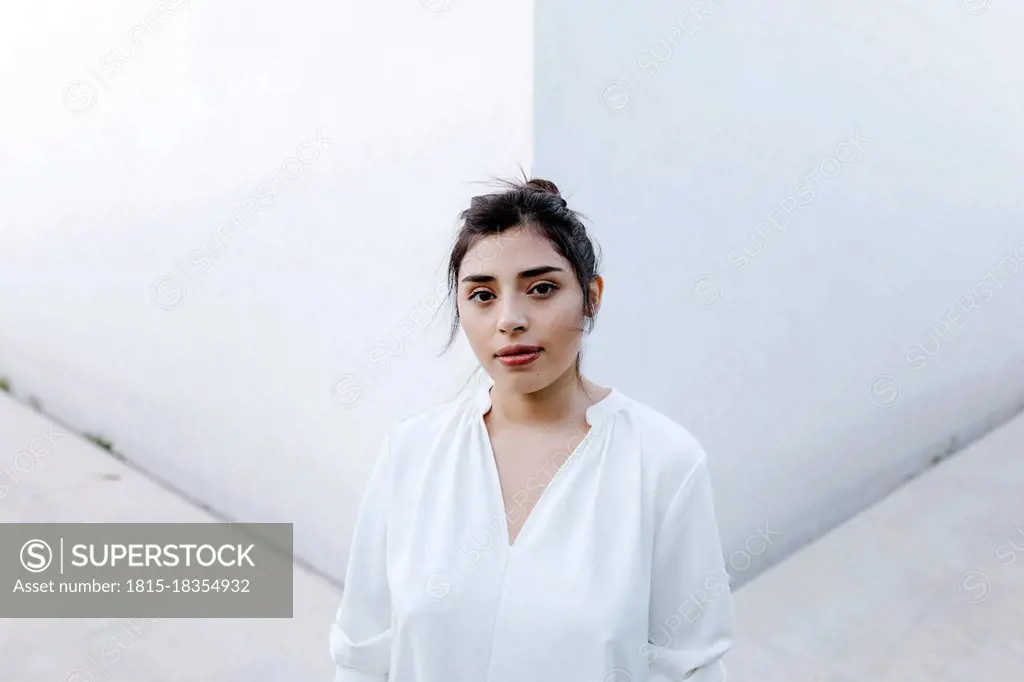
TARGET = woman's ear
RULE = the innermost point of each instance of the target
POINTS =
(596, 291)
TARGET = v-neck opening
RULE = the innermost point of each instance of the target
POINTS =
(595, 416)
(546, 493)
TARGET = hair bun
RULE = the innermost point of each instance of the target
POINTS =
(542, 185)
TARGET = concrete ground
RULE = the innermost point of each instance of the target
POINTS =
(926, 586)
(78, 481)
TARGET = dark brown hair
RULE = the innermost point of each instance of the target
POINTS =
(534, 204)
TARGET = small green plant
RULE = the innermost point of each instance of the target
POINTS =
(100, 440)
(103, 443)
(5, 384)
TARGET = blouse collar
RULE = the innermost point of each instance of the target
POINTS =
(597, 412)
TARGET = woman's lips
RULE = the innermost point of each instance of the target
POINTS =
(519, 359)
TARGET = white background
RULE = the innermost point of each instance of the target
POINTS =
(222, 382)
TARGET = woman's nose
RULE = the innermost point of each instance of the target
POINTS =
(512, 318)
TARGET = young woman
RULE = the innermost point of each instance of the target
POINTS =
(547, 528)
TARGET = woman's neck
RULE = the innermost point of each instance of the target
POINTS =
(560, 402)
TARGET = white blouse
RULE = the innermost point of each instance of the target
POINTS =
(617, 574)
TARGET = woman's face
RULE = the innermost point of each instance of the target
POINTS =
(514, 288)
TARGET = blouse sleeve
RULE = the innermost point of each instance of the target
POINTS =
(691, 613)
(360, 636)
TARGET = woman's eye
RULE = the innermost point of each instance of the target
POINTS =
(543, 289)
(551, 288)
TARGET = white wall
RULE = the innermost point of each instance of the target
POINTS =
(682, 152)
(214, 364)
(111, 187)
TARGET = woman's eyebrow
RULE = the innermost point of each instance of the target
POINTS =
(525, 274)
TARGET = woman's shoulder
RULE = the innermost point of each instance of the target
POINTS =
(669, 449)
(423, 426)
